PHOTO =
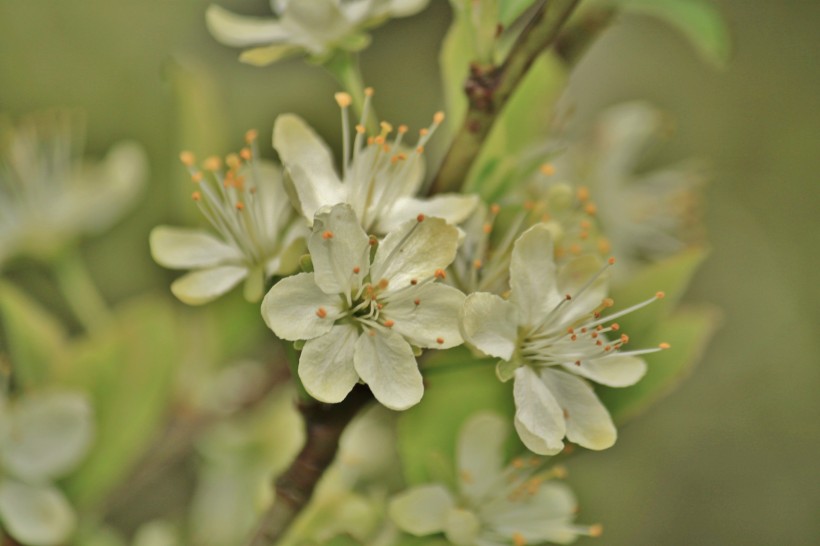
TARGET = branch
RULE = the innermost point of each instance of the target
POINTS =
(325, 424)
(574, 40)
(489, 88)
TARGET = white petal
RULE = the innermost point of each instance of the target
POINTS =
(414, 251)
(421, 510)
(433, 322)
(265, 55)
(453, 208)
(532, 275)
(309, 163)
(480, 454)
(47, 435)
(462, 527)
(179, 248)
(326, 364)
(545, 517)
(587, 420)
(35, 515)
(202, 286)
(403, 8)
(238, 30)
(292, 308)
(614, 371)
(339, 247)
(490, 323)
(539, 419)
(385, 361)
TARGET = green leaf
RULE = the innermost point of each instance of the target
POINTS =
(687, 331)
(128, 371)
(457, 51)
(457, 385)
(35, 340)
(699, 21)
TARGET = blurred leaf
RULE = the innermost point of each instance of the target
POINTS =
(510, 10)
(457, 52)
(699, 21)
(128, 371)
(35, 339)
(457, 385)
(671, 276)
(687, 331)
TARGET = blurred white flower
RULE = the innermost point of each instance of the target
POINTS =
(312, 27)
(549, 333)
(492, 505)
(362, 316)
(49, 197)
(258, 238)
(380, 178)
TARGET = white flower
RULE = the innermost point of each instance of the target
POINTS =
(492, 505)
(250, 210)
(548, 334)
(379, 178)
(362, 316)
(313, 27)
(48, 197)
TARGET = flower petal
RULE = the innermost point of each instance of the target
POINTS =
(421, 510)
(454, 208)
(547, 516)
(433, 321)
(205, 285)
(326, 364)
(239, 30)
(612, 370)
(490, 323)
(462, 527)
(178, 248)
(532, 275)
(480, 454)
(309, 162)
(539, 419)
(36, 515)
(340, 250)
(415, 251)
(587, 420)
(385, 361)
(269, 54)
(292, 308)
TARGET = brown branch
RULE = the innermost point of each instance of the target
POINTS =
(324, 426)
(489, 88)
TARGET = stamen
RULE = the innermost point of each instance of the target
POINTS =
(420, 218)
(212, 163)
(327, 235)
(440, 340)
(251, 135)
(440, 274)
(547, 169)
(343, 99)
(321, 312)
(187, 158)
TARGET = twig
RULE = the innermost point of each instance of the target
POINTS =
(325, 424)
(574, 40)
(489, 88)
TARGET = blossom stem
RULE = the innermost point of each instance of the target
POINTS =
(489, 87)
(324, 426)
(79, 290)
(344, 67)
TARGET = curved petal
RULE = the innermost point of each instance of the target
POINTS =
(309, 162)
(326, 364)
(427, 316)
(612, 370)
(587, 420)
(462, 527)
(179, 248)
(37, 515)
(480, 454)
(404, 8)
(415, 251)
(454, 208)
(269, 54)
(421, 510)
(239, 30)
(490, 323)
(292, 308)
(385, 361)
(206, 285)
(340, 250)
(539, 419)
(547, 516)
(533, 276)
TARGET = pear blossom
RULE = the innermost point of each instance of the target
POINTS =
(491, 504)
(361, 313)
(258, 238)
(49, 197)
(314, 27)
(379, 179)
(551, 339)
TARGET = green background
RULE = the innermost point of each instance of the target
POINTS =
(730, 458)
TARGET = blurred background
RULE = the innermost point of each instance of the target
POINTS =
(730, 457)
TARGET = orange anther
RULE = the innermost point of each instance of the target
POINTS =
(547, 169)
(356, 270)
(188, 159)
(251, 135)
(321, 312)
(240, 206)
(389, 323)
(196, 196)
(440, 274)
(440, 340)
(664, 345)
(611, 260)
(660, 295)
(420, 218)
(414, 282)
(417, 301)
(327, 234)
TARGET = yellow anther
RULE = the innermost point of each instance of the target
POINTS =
(424, 132)
(343, 99)
(591, 209)
(596, 530)
(233, 161)
(547, 169)
(368, 91)
(360, 128)
(386, 127)
(438, 117)
(664, 345)
(519, 540)
(251, 135)
(402, 129)
(608, 302)
(660, 295)
(245, 154)
(212, 163)
(196, 177)
(603, 246)
(188, 159)
(420, 150)
(583, 193)
(196, 196)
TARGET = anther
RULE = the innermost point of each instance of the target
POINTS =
(424, 131)
(402, 129)
(327, 235)
(240, 206)
(567, 297)
(372, 241)
(611, 260)
(440, 274)
(383, 283)
(660, 295)
(596, 530)
(477, 264)
(414, 282)
(519, 540)
(577, 362)
(591, 209)
(615, 326)
(232, 160)
(196, 196)
(420, 218)
(343, 99)
(245, 154)
(438, 117)
(608, 302)
(386, 127)
(251, 135)
(495, 208)
(212, 163)
(487, 228)
(389, 323)
(187, 158)
(583, 193)
(360, 128)
(440, 340)
(321, 312)
(196, 177)
(547, 169)
(417, 301)
(368, 91)
(624, 339)
(356, 270)
(664, 345)
(420, 150)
